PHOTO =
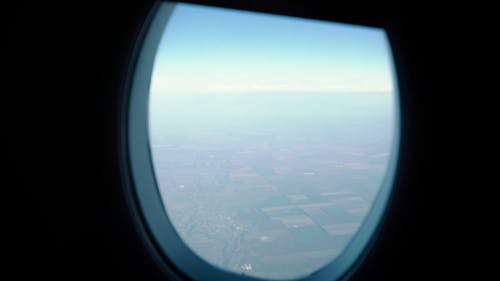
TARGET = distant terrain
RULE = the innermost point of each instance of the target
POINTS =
(270, 184)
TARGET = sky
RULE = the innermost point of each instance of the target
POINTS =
(206, 49)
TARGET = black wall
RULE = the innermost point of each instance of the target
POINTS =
(65, 67)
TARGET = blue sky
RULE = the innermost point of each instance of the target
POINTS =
(208, 49)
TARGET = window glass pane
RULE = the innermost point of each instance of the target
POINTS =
(270, 135)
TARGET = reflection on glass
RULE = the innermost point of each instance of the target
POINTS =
(270, 135)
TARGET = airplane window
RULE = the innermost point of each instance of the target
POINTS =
(271, 137)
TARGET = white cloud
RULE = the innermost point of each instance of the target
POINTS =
(240, 83)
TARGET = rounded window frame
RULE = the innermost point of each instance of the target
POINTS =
(147, 199)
